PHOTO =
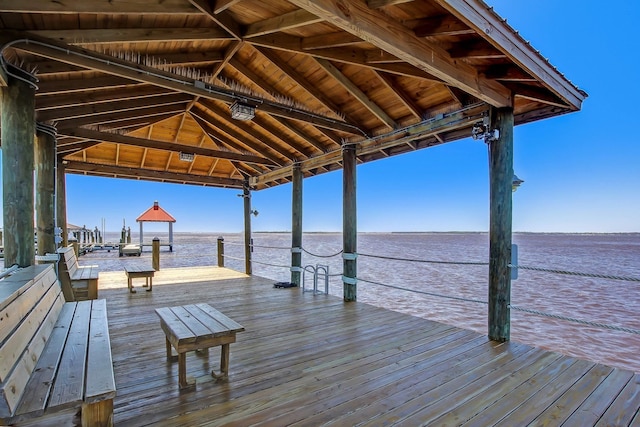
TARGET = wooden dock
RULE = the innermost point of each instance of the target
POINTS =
(313, 360)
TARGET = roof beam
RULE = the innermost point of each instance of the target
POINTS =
(73, 166)
(50, 87)
(357, 93)
(391, 84)
(133, 71)
(221, 129)
(295, 19)
(114, 117)
(132, 35)
(55, 114)
(99, 7)
(377, 28)
(456, 120)
(489, 25)
(376, 4)
(353, 55)
(163, 145)
(222, 18)
(98, 96)
(445, 25)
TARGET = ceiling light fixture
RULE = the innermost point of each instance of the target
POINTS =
(241, 111)
(187, 157)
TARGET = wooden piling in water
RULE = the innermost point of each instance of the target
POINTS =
(155, 254)
(220, 251)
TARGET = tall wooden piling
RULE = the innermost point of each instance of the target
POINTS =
(18, 130)
(501, 179)
(220, 251)
(45, 187)
(296, 225)
(155, 254)
(61, 202)
(246, 195)
(349, 223)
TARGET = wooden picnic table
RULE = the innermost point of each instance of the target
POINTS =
(197, 327)
(134, 271)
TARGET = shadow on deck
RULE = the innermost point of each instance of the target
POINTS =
(312, 360)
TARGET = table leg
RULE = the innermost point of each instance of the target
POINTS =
(133, 291)
(224, 360)
(150, 284)
(183, 381)
(169, 356)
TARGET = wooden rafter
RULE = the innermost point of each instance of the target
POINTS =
(444, 25)
(132, 35)
(168, 7)
(55, 114)
(357, 93)
(222, 18)
(135, 173)
(164, 145)
(297, 18)
(400, 94)
(378, 29)
(143, 74)
(351, 55)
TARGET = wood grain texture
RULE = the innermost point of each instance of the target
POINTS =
(307, 360)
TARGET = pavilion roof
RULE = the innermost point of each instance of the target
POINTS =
(155, 214)
(143, 89)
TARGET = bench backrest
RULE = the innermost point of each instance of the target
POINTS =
(67, 267)
(30, 302)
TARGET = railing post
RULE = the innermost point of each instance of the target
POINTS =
(155, 254)
(246, 194)
(220, 251)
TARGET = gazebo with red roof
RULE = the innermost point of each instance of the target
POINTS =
(157, 214)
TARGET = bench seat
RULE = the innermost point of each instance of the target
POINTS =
(79, 283)
(54, 356)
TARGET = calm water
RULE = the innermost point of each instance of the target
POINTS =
(606, 301)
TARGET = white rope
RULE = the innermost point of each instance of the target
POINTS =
(576, 273)
(572, 319)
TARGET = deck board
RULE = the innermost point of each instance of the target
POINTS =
(307, 359)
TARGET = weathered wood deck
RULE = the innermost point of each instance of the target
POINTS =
(314, 360)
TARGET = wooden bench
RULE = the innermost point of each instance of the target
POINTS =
(196, 327)
(54, 356)
(134, 271)
(78, 283)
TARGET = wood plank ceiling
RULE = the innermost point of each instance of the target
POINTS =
(131, 84)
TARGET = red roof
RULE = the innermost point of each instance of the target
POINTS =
(155, 214)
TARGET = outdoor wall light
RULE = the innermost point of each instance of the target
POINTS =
(242, 111)
(516, 182)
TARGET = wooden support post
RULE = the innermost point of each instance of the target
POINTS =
(141, 233)
(18, 130)
(220, 251)
(246, 194)
(296, 225)
(170, 237)
(501, 178)
(45, 187)
(155, 254)
(349, 223)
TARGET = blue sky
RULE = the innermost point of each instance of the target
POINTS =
(581, 170)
